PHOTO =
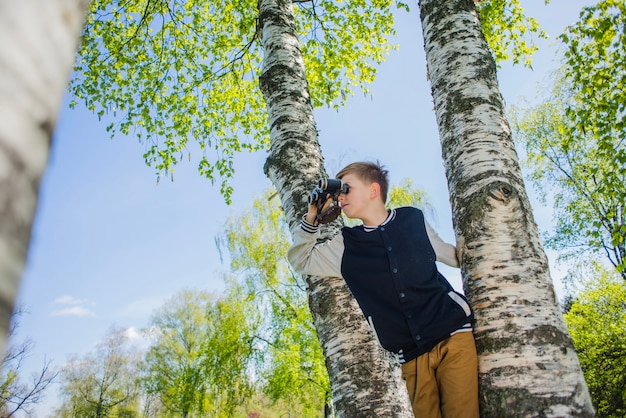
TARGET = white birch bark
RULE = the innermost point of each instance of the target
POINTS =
(527, 363)
(365, 380)
(39, 42)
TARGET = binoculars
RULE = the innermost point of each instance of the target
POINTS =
(326, 188)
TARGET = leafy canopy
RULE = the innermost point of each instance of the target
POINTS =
(182, 75)
(508, 31)
(103, 382)
(199, 352)
(575, 139)
(596, 68)
(172, 364)
(289, 358)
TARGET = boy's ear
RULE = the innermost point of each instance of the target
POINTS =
(374, 190)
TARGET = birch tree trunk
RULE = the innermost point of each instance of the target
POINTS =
(39, 42)
(527, 363)
(365, 380)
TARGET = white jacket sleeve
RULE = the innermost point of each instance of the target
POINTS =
(308, 257)
(446, 253)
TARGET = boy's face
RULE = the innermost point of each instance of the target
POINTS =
(357, 201)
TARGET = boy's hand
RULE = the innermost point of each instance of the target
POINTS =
(311, 216)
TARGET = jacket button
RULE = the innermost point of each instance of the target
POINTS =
(388, 248)
(402, 294)
(418, 337)
(395, 270)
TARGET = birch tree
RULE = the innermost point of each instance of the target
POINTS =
(364, 379)
(39, 45)
(527, 363)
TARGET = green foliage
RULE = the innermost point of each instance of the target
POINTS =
(341, 42)
(9, 380)
(229, 352)
(173, 369)
(595, 67)
(596, 322)
(290, 360)
(406, 194)
(183, 76)
(575, 140)
(508, 31)
(588, 200)
(197, 361)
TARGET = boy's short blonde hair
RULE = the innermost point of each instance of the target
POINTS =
(369, 172)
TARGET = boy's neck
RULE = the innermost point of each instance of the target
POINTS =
(376, 217)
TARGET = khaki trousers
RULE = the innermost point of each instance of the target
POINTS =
(443, 383)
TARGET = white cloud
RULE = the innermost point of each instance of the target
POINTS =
(137, 338)
(70, 306)
(132, 334)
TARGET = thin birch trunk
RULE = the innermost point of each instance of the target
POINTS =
(527, 363)
(39, 42)
(365, 380)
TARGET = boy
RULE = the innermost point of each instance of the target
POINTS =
(389, 265)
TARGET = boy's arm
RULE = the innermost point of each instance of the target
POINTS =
(308, 257)
(446, 253)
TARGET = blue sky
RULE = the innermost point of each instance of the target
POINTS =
(109, 245)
